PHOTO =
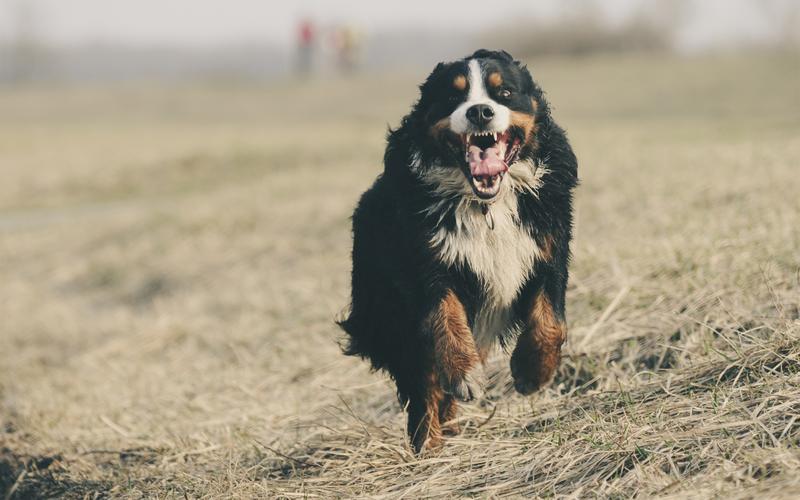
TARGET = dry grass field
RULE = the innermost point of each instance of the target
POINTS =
(172, 259)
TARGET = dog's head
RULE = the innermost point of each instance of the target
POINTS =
(479, 116)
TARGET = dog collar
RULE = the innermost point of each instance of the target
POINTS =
(487, 215)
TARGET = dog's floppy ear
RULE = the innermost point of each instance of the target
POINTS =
(427, 86)
(432, 77)
(500, 55)
(527, 78)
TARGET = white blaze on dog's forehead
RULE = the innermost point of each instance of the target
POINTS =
(478, 95)
(477, 89)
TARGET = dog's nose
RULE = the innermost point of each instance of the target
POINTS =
(480, 114)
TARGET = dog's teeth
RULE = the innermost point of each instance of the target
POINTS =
(494, 134)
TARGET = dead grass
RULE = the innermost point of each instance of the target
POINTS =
(171, 261)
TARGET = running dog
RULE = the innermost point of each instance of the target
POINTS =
(463, 241)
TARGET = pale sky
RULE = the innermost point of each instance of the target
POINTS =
(210, 22)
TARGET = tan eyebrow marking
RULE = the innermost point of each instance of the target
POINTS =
(460, 82)
(495, 79)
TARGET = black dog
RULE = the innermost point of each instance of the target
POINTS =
(464, 241)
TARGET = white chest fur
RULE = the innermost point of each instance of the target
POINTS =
(502, 257)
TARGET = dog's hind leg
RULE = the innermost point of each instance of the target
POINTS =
(424, 430)
(432, 418)
(457, 361)
(448, 410)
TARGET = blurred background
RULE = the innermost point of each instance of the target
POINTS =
(96, 40)
(176, 182)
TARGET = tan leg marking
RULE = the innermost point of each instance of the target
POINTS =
(456, 355)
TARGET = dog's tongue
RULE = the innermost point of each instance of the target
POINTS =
(485, 162)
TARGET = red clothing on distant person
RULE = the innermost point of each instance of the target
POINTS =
(305, 46)
(306, 33)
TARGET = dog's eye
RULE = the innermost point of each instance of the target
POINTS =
(505, 94)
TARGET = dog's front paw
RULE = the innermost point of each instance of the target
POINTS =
(532, 369)
(469, 387)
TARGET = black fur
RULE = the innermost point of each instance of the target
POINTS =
(397, 278)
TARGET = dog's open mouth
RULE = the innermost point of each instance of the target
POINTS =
(488, 155)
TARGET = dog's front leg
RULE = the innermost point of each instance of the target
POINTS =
(538, 351)
(458, 363)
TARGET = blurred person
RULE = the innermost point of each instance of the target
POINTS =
(347, 42)
(306, 34)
